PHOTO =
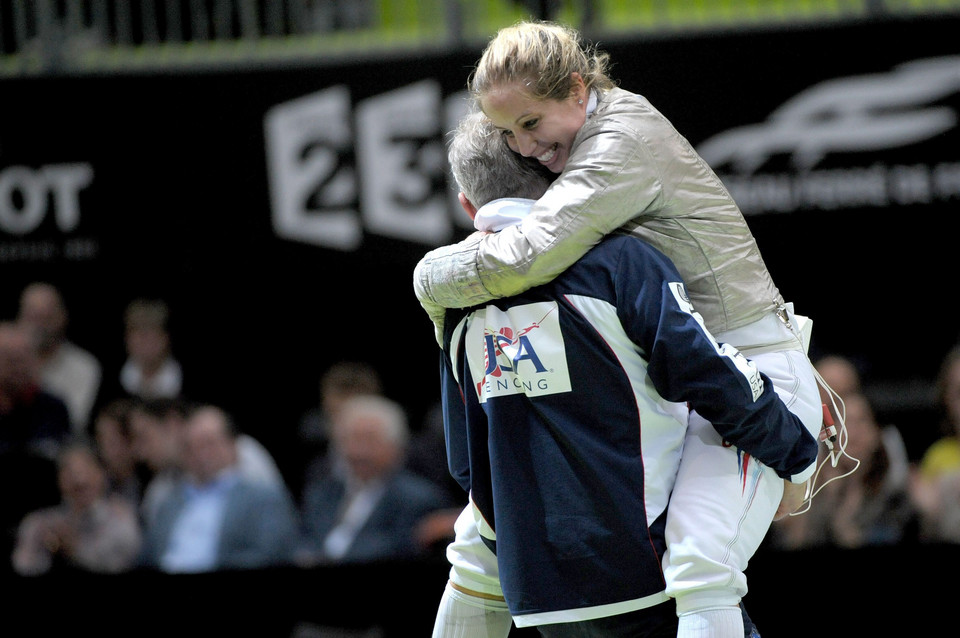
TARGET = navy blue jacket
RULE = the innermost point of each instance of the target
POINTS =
(565, 410)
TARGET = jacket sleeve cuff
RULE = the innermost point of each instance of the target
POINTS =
(803, 476)
(448, 276)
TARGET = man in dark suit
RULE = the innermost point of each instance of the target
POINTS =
(366, 507)
(217, 518)
(33, 426)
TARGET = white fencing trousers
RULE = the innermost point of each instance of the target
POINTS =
(724, 501)
(473, 568)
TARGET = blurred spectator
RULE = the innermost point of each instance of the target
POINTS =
(31, 419)
(256, 462)
(338, 383)
(936, 483)
(216, 518)
(33, 426)
(870, 507)
(151, 370)
(158, 427)
(944, 454)
(428, 455)
(873, 505)
(367, 506)
(66, 370)
(841, 374)
(843, 377)
(114, 443)
(90, 529)
(428, 458)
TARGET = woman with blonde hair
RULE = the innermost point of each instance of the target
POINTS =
(622, 166)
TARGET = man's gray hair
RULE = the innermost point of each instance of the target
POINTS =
(486, 169)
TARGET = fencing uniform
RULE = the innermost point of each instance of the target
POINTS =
(629, 169)
(574, 393)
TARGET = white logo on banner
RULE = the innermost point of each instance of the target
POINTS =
(331, 181)
(27, 195)
(854, 114)
(518, 351)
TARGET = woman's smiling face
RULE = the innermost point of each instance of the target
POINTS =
(543, 129)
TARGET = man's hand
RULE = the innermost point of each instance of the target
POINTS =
(793, 496)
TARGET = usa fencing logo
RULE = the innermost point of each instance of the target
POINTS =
(517, 351)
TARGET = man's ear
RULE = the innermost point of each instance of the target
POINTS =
(467, 205)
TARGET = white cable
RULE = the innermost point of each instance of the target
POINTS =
(833, 454)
